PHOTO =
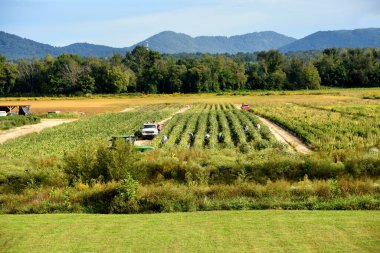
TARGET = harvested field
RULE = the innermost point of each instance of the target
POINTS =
(94, 105)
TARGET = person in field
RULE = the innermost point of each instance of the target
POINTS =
(220, 137)
(207, 139)
(258, 126)
(164, 139)
(159, 127)
(246, 130)
(191, 139)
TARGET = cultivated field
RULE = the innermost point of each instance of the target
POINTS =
(243, 231)
(56, 141)
(328, 128)
(101, 104)
(214, 119)
(71, 168)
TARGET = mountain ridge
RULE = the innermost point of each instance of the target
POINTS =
(250, 42)
(15, 47)
(357, 38)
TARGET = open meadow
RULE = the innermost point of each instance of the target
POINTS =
(234, 231)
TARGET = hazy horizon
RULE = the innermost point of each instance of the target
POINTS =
(120, 23)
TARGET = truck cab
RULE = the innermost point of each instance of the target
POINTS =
(149, 130)
(245, 107)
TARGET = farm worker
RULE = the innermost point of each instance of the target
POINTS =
(191, 138)
(246, 129)
(220, 137)
(207, 138)
(158, 127)
(258, 126)
(164, 139)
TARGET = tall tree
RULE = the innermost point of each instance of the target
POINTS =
(142, 61)
(8, 75)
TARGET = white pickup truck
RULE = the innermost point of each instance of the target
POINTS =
(150, 130)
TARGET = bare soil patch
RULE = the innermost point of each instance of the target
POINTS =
(128, 109)
(28, 129)
(182, 110)
(286, 137)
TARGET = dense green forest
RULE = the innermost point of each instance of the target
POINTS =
(148, 71)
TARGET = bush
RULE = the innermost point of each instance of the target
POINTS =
(43, 171)
(15, 121)
(92, 162)
(124, 201)
(81, 163)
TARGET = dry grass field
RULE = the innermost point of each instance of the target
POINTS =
(102, 104)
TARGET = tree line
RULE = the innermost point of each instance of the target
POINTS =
(148, 71)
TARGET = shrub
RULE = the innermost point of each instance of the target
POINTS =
(89, 162)
(15, 121)
(80, 163)
(124, 201)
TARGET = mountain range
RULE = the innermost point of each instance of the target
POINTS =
(15, 47)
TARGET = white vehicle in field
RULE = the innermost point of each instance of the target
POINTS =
(150, 130)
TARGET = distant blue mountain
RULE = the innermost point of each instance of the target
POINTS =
(360, 38)
(15, 47)
(172, 43)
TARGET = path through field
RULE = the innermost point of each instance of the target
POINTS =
(128, 109)
(28, 129)
(162, 123)
(284, 136)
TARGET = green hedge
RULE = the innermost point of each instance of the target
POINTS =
(16, 121)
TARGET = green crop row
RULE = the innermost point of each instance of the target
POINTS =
(237, 129)
(213, 127)
(325, 130)
(201, 128)
(224, 127)
(215, 119)
(190, 127)
(58, 140)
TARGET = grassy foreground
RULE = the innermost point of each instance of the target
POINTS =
(233, 231)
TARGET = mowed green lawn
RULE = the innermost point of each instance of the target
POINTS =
(220, 231)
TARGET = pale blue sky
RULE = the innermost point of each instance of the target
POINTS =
(123, 23)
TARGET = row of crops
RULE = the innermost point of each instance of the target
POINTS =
(214, 119)
(367, 110)
(328, 128)
(64, 138)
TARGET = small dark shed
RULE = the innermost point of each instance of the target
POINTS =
(17, 109)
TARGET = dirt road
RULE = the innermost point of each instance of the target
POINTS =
(164, 121)
(128, 109)
(45, 123)
(284, 136)
(23, 130)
